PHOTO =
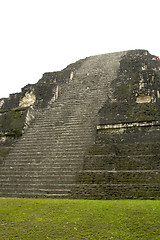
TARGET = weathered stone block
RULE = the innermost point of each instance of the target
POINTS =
(90, 131)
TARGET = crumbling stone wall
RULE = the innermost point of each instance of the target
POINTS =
(121, 150)
(19, 109)
(12, 124)
(124, 162)
(134, 108)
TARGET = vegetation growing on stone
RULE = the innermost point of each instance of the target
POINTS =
(12, 122)
(67, 152)
(3, 152)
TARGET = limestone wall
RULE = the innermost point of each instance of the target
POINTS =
(124, 162)
(133, 112)
(19, 110)
(94, 127)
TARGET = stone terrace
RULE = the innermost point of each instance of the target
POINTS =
(63, 155)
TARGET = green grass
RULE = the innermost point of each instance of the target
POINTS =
(79, 219)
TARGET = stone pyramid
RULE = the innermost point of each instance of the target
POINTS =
(90, 131)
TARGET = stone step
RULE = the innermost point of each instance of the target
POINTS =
(45, 150)
(24, 170)
(116, 191)
(132, 162)
(16, 164)
(42, 164)
(125, 149)
(43, 160)
(43, 181)
(84, 123)
(56, 113)
(34, 195)
(61, 140)
(67, 132)
(50, 152)
(66, 119)
(50, 186)
(55, 139)
(59, 159)
(38, 180)
(50, 141)
(35, 190)
(57, 110)
(73, 114)
(43, 171)
(38, 172)
(49, 147)
(117, 177)
(57, 179)
(40, 154)
(42, 168)
(66, 141)
(65, 127)
(63, 119)
(50, 144)
(49, 133)
(64, 133)
(51, 136)
(43, 155)
(57, 126)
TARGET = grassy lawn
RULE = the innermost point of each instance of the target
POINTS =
(79, 219)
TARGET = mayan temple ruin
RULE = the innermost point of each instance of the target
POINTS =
(90, 131)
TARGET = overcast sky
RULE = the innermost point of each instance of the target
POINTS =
(38, 36)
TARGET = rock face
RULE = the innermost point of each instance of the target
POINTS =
(90, 131)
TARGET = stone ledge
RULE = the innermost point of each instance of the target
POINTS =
(128, 125)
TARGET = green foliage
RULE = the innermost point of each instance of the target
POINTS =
(79, 219)
(3, 111)
(124, 90)
(17, 121)
(3, 152)
(12, 121)
(143, 112)
(134, 78)
(18, 109)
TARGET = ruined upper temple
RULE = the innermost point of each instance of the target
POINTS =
(90, 131)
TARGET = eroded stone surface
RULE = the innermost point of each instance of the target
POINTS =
(1, 103)
(66, 152)
(28, 100)
(142, 98)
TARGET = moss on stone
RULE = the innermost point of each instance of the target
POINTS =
(18, 109)
(125, 90)
(4, 152)
(17, 122)
(12, 122)
(143, 112)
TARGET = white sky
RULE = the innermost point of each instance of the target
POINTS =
(38, 36)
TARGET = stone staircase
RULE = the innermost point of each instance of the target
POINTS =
(44, 161)
(120, 171)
